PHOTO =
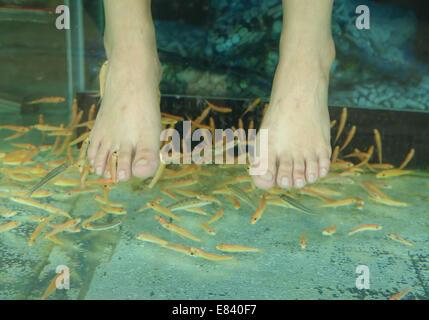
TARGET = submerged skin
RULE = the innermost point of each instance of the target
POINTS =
(297, 118)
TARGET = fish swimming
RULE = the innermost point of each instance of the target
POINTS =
(295, 204)
(49, 176)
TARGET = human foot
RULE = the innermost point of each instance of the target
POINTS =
(129, 118)
(297, 119)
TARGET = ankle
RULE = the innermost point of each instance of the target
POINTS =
(316, 55)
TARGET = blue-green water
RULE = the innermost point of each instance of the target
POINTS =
(113, 264)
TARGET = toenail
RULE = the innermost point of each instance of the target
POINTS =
(312, 178)
(324, 172)
(121, 175)
(299, 183)
(142, 162)
(268, 176)
(285, 182)
(91, 162)
(98, 171)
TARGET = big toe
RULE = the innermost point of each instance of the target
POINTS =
(145, 162)
(263, 174)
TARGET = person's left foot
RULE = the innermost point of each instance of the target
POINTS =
(297, 120)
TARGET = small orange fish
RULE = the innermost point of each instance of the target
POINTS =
(340, 165)
(236, 248)
(373, 190)
(330, 231)
(340, 203)
(400, 295)
(21, 129)
(234, 200)
(377, 138)
(315, 194)
(216, 217)
(46, 127)
(78, 191)
(349, 138)
(203, 115)
(163, 210)
(146, 206)
(170, 194)
(178, 248)
(96, 216)
(62, 133)
(407, 159)
(399, 239)
(175, 228)
(23, 145)
(48, 100)
(335, 154)
(57, 163)
(236, 179)
(114, 210)
(157, 175)
(8, 213)
(251, 106)
(28, 202)
(219, 109)
(343, 120)
(66, 182)
(303, 242)
(21, 177)
(151, 238)
(209, 256)
(9, 226)
(258, 213)
(370, 227)
(380, 165)
(63, 226)
(53, 285)
(79, 139)
(106, 202)
(102, 226)
(55, 210)
(207, 229)
(388, 201)
(113, 166)
(171, 116)
(39, 228)
(197, 210)
(392, 173)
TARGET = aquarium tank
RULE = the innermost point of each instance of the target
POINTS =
(251, 196)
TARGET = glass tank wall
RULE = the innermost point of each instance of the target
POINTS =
(228, 49)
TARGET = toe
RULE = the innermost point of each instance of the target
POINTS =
(92, 151)
(284, 173)
(124, 162)
(101, 158)
(311, 169)
(324, 164)
(298, 172)
(264, 173)
(145, 162)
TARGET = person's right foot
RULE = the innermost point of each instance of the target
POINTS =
(129, 120)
